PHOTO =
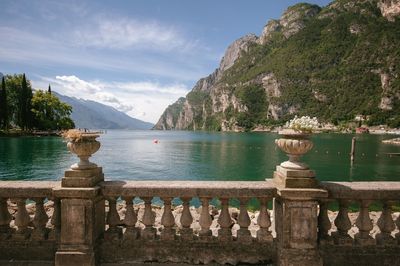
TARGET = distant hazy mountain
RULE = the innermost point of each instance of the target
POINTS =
(1, 75)
(94, 115)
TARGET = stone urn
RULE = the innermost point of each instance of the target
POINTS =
(84, 146)
(294, 144)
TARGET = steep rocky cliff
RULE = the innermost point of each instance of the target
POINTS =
(333, 62)
(181, 114)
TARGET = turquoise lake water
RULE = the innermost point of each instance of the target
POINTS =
(199, 156)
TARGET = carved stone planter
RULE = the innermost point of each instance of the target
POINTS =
(84, 147)
(293, 173)
(294, 144)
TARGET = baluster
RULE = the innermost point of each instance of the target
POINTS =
(343, 224)
(225, 221)
(131, 232)
(243, 234)
(386, 225)
(398, 227)
(324, 224)
(22, 221)
(113, 232)
(364, 225)
(186, 221)
(168, 221)
(5, 219)
(56, 220)
(39, 221)
(148, 220)
(264, 221)
(205, 220)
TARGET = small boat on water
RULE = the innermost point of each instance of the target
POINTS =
(362, 130)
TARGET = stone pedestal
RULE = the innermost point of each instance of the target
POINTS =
(289, 178)
(297, 213)
(82, 217)
(82, 178)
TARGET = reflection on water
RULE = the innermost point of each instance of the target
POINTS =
(199, 156)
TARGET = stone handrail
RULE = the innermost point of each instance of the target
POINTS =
(363, 190)
(210, 189)
(28, 190)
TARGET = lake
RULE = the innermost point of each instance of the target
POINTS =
(182, 155)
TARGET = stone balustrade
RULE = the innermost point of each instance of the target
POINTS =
(369, 235)
(24, 221)
(175, 234)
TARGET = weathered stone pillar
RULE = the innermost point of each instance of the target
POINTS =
(82, 208)
(296, 207)
(296, 222)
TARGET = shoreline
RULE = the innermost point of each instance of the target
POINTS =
(36, 133)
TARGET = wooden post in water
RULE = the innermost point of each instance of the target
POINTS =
(353, 149)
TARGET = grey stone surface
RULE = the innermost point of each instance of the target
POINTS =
(363, 190)
(219, 189)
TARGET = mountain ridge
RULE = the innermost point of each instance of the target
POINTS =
(333, 62)
(95, 115)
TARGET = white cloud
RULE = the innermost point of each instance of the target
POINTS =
(29, 48)
(76, 85)
(142, 100)
(129, 33)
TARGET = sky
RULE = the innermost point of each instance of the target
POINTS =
(137, 56)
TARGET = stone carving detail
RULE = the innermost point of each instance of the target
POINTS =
(365, 225)
(244, 221)
(148, 220)
(264, 221)
(40, 221)
(113, 220)
(225, 222)
(84, 148)
(168, 221)
(386, 225)
(5, 219)
(324, 224)
(343, 225)
(294, 144)
(22, 221)
(186, 220)
(130, 220)
(205, 220)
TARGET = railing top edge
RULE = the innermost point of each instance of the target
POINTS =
(189, 188)
(375, 190)
(27, 189)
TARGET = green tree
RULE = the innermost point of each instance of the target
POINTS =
(49, 89)
(13, 88)
(50, 113)
(3, 105)
(25, 115)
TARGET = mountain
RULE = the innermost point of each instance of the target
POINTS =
(94, 115)
(334, 62)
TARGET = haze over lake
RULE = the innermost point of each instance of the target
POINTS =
(132, 155)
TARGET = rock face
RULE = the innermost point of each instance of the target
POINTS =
(233, 52)
(389, 96)
(390, 8)
(291, 22)
(180, 115)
